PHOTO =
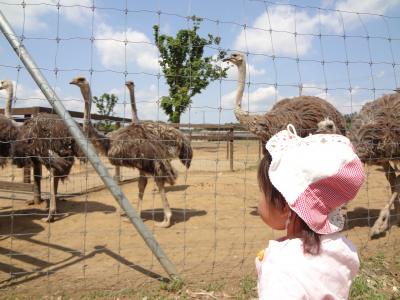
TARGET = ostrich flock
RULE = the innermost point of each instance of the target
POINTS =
(149, 146)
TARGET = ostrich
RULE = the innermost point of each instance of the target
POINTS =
(132, 146)
(8, 127)
(45, 140)
(375, 135)
(304, 112)
(174, 140)
(177, 143)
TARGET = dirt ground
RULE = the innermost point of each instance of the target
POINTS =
(215, 235)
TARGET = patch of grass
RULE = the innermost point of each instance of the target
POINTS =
(376, 280)
(362, 289)
(248, 288)
(215, 286)
(174, 285)
(105, 294)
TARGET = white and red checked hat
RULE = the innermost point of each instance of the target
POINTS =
(316, 175)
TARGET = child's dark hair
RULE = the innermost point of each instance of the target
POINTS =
(311, 239)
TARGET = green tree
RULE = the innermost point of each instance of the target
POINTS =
(105, 106)
(349, 119)
(186, 71)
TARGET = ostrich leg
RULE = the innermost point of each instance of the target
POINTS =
(382, 223)
(167, 210)
(390, 173)
(53, 195)
(37, 177)
(142, 187)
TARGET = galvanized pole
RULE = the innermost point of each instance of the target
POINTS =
(85, 145)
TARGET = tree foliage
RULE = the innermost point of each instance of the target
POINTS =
(105, 106)
(186, 69)
(349, 119)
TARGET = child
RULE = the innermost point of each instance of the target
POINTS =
(303, 183)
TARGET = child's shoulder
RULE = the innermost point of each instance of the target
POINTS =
(331, 243)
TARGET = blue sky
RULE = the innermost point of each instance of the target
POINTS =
(262, 29)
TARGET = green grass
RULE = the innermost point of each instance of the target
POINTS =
(248, 288)
(362, 289)
(173, 285)
(376, 279)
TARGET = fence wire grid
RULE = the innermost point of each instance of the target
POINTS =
(339, 52)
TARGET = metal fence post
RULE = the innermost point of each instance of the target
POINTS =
(85, 145)
(117, 174)
(231, 140)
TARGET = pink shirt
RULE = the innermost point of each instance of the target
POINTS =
(285, 272)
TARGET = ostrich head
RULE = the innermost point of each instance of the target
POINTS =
(130, 84)
(237, 59)
(80, 81)
(6, 84)
(83, 84)
(326, 126)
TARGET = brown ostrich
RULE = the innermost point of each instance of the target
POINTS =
(176, 143)
(8, 127)
(45, 140)
(304, 112)
(375, 134)
(132, 146)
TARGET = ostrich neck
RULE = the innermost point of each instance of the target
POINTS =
(87, 96)
(100, 141)
(240, 90)
(135, 118)
(7, 109)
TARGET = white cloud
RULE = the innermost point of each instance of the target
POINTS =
(253, 71)
(33, 17)
(367, 6)
(259, 100)
(77, 11)
(312, 89)
(111, 48)
(281, 19)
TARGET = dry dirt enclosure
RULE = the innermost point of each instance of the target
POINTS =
(215, 235)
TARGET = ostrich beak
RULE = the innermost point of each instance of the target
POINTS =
(226, 59)
(72, 82)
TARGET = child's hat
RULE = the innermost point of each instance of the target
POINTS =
(316, 175)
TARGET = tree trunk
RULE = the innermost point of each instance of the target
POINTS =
(175, 117)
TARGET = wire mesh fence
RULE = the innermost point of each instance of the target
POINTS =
(340, 52)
